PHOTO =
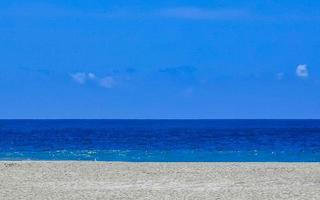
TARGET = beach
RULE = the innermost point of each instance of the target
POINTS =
(120, 180)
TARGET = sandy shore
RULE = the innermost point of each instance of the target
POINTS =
(102, 180)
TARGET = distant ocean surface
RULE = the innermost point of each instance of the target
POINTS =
(161, 140)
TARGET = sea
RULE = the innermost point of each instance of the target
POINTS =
(161, 140)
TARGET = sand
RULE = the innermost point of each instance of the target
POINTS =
(103, 180)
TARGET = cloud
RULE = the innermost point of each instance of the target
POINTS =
(197, 13)
(302, 71)
(107, 82)
(83, 78)
(79, 77)
(91, 76)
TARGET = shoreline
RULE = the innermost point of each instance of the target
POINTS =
(158, 180)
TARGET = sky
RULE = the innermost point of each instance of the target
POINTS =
(168, 59)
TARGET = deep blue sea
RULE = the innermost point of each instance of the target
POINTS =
(161, 140)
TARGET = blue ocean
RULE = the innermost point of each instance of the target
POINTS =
(161, 140)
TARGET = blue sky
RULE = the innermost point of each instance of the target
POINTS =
(159, 59)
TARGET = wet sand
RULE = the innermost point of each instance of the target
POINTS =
(105, 180)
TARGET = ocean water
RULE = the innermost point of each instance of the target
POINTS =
(161, 140)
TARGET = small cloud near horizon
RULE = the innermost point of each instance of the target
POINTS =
(91, 76)
(80, 77)
(302, 71)
(83, 77)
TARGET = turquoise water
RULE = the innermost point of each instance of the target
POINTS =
(161, 140)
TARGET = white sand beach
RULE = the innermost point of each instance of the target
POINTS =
(104, 180)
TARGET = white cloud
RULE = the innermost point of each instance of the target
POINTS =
(79, 77)
(302, 71)
(84, 77)
(202, 13)
(107, 82)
